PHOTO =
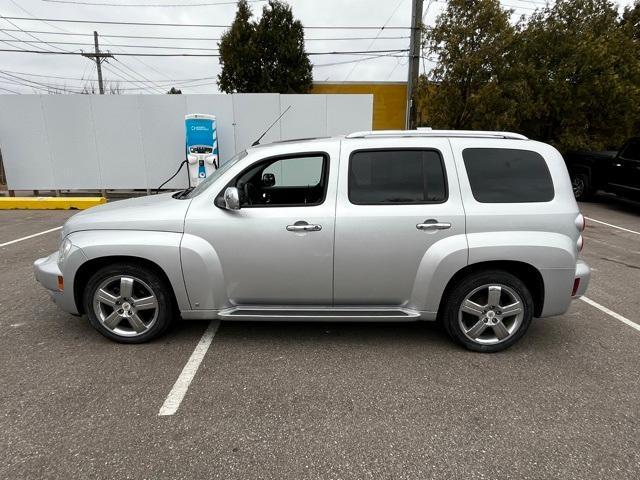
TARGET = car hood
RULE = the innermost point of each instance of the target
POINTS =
(155, 212)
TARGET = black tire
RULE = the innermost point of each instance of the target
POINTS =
(455, 297)
(145, 279)
(582, 187)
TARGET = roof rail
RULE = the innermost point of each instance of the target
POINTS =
(427, 132)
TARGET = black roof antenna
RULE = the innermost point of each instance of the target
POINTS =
(257, 142)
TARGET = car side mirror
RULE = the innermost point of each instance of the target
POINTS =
(232, 198)
(268, 180)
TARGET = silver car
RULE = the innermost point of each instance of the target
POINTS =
(477, 230)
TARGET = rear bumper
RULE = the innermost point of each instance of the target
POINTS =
(582, 277)
(47, 272)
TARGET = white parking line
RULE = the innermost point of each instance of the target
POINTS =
(179, 390)
(29, 236)
(615, 315)
(612, 226)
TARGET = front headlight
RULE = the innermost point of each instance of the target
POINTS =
(65, 248)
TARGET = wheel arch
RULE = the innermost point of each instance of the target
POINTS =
(530, 276)
(85, 271)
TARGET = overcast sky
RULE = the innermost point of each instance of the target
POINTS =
(197, 74)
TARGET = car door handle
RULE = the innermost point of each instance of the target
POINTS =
(304, 227)
(433, 224)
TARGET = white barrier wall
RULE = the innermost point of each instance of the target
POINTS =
(53, 142)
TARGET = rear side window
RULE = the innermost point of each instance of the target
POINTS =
(503, 175)
(378, 177)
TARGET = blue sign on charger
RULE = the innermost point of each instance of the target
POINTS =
(201, 143)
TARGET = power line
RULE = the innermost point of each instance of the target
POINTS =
(128, 75)
(33, 16)
(97, 4)
(76, 78)
(117, 45)
(29, 34)
(135, 74)
(375, 38)
(207, 39)
(140, 54)
(203, 25)
(318, 65)
(35, 85)
(9, 90)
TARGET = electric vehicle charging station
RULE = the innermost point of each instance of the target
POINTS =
(201, 146)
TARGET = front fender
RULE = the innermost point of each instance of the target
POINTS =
(161, 248)
(203, 275)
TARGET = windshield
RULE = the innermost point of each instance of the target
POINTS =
(215, 175)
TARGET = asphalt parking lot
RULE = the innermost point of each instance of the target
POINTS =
(320, 400)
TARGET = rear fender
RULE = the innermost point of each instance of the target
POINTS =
(438, 265)
(552, 254)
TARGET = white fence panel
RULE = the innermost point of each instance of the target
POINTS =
(72, 140)
(119, 141)
(306, 118)
(253, 113)
(137, 141)
(163, 138)
(346, 111)
(23, 140)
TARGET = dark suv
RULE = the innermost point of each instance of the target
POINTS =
(612, 171)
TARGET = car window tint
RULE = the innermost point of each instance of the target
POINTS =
(297, 180)
(631, 151)
(296, 172)
(502, 175)
(396, 177)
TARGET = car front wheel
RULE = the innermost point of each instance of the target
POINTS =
(128, 303)
(488, 311)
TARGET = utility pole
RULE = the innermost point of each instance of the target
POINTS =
(99, 58)
(414, 59)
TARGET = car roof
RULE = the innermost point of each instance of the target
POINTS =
(428, 132)
(422, 132)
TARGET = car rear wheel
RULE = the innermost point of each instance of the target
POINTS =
(488, 311)
(128, 303)
(581, 184)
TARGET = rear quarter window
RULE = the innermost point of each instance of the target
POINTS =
(504, 175)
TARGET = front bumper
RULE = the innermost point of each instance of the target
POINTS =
(582, 276)
(47, 272)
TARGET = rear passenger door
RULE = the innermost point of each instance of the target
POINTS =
(396, 200)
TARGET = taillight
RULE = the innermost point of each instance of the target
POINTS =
(580, 223)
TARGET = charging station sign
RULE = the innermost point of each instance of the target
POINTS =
(201, 145)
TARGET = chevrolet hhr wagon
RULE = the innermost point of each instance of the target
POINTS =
(477, 230)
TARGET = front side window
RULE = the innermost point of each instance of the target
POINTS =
(505, 175)
(396, 176)
(631, 151)
(298, 180)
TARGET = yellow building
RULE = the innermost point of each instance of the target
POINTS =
(389, 100)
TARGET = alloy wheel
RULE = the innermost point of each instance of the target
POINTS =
(125, 305)
(578, 185)
(491, 314)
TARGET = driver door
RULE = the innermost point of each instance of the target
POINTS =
(278, 248)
